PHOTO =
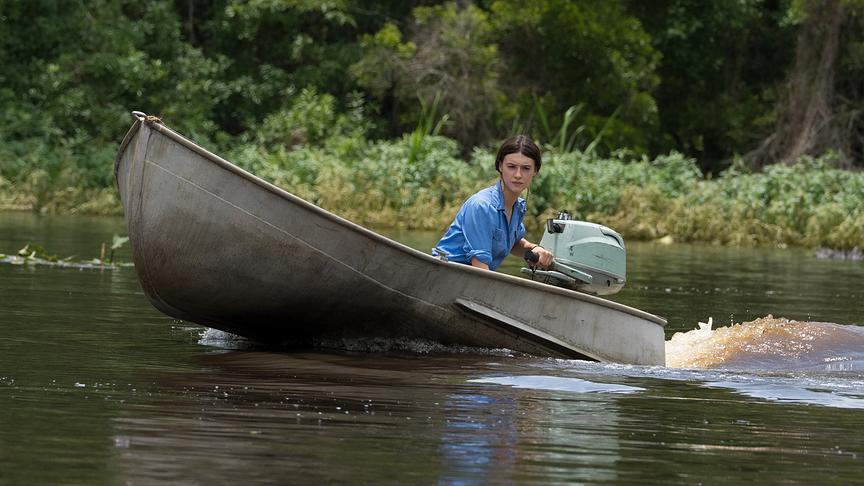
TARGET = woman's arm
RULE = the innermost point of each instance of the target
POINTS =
(477, 263)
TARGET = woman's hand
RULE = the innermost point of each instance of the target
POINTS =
(545, 255)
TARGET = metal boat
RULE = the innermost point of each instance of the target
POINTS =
(215, 245)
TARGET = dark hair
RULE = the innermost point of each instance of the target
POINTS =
(519, 144)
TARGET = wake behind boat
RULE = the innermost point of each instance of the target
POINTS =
(217, 246)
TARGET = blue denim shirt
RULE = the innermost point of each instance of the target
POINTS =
(481, 231)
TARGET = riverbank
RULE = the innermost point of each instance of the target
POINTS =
(408, 184)
(40, 193)
(97, 202)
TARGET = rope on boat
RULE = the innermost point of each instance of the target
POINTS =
(141, 116)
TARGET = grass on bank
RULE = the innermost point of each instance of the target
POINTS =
(408, 184)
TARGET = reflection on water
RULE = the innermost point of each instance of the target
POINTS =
(474, 444)
(96, 387)
(793, 393)
(557, 383)
(437, 420)
(465, 420)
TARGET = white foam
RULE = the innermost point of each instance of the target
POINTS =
(222, 339)
(769, 343)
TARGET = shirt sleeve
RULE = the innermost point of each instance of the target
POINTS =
(479, 220)
(520, 233)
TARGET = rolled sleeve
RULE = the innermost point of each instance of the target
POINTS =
(480, 229)
(478, 223)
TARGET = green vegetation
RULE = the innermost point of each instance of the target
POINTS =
(809, 203)
(726, 122)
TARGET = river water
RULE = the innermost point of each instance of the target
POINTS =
(97, 387)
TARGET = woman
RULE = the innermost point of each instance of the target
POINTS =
(489, 224)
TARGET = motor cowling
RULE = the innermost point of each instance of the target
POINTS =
(589, 257)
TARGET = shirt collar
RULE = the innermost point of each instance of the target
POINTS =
(499, 199)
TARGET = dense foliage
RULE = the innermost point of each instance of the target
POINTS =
(383, 109)
(808, 203)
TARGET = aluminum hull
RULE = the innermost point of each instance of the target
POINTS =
(217, 246)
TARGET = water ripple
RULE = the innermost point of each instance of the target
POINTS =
(557, 383)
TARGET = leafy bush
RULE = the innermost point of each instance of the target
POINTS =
(809, 203)
(376, 183)
(311, 119)
(399, 183)
(587, 185)
(419, 181)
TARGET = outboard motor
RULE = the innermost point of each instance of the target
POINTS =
(589, 257)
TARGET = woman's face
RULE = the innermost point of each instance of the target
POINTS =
(517, 170)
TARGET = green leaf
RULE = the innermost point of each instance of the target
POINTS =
(118, 241)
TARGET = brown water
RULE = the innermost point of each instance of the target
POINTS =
(97, 387)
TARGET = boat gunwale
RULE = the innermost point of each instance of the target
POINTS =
(227, 165)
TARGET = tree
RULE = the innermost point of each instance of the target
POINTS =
(73, 71)
(278, 47)
(449, 61)
(806, 114)
(561, 53)
(721, 64)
